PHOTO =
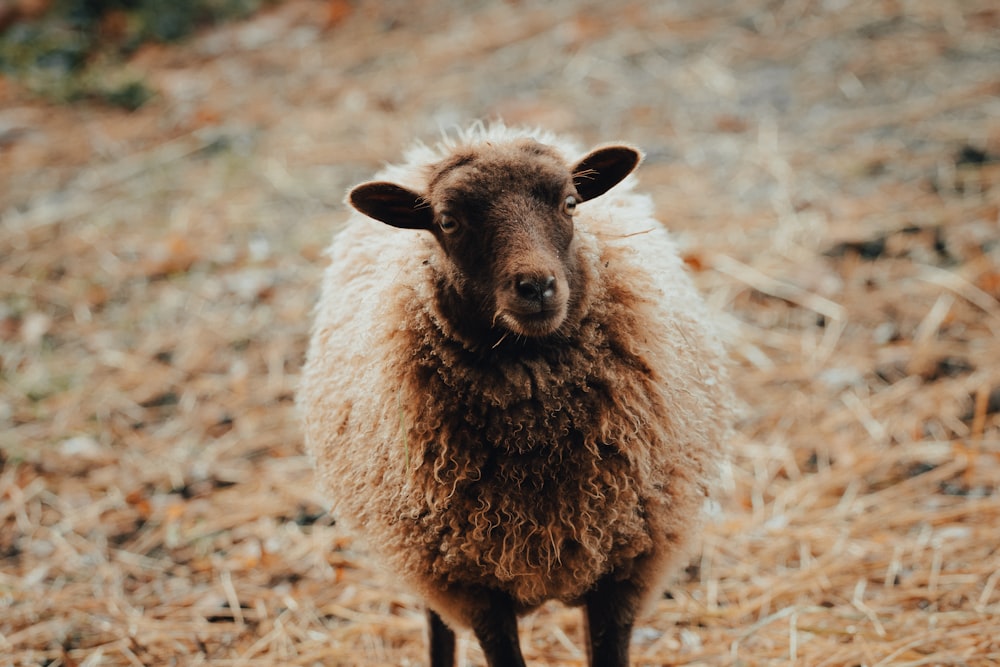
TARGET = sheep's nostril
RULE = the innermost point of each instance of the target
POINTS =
(529, 290)
(536, 289)
(549, 288)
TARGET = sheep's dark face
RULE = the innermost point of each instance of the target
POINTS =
(503, 214)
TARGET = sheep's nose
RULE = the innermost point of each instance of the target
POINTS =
(537, 289)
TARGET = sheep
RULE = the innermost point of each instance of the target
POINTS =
(513, 391)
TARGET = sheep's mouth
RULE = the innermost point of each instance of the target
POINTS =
(533, 324)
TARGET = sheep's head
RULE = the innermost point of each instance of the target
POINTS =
(503, 214)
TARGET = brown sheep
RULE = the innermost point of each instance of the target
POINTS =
(516, 395)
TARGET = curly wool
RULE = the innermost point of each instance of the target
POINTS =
(532, 467)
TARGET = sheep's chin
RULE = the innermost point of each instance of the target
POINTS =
(533, 325)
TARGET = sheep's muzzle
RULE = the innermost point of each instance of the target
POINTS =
(533, 304)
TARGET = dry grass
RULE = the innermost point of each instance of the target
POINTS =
(157, 272)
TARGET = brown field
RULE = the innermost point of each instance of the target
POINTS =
(831, 170)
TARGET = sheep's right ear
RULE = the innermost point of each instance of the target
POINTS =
(392, 204)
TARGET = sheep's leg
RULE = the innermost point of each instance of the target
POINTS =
(610, 614)
(442, 641)
(495, 626)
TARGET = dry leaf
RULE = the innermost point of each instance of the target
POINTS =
(174, 254)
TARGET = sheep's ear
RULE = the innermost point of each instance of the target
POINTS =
(604, 168)
(392, 204)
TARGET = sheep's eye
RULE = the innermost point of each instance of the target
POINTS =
(569, 205)
(448, 224)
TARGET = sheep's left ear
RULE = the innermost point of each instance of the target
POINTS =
(604, 168)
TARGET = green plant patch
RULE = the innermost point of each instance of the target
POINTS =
(77, 50)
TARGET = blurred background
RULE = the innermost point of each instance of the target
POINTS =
(170, 173)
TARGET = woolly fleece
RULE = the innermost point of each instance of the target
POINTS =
(531, 467)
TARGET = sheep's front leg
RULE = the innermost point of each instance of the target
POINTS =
(495, 626)
(610, 614)
(442, 641)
